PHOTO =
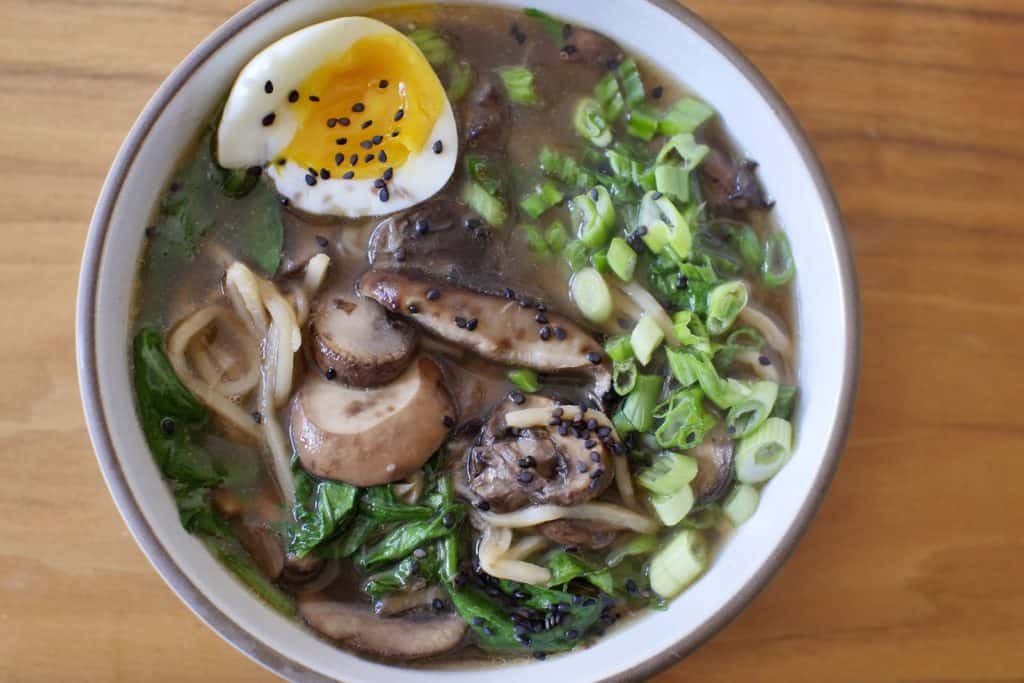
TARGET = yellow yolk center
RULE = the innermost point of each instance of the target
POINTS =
(366, 111)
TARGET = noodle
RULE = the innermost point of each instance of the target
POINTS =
(769, 329)
(650, 307)
(526, 546)
(613, 515)
(288, 342)
(244, 291)
(753, 359)
(492, 553)
(276, 442)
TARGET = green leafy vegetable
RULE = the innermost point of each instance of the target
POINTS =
(525, 379)
(686, 116)
(545, 197)
(403, 539)
(321, 510)
(380, 504)
(637, 410)
(685, 421)
(518, 82)
(565, 567)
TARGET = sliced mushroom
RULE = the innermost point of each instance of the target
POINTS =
(557, 464)
(580, 533)
(439, 237)
(487, 115)
(714, 466)
(476, 385)
(360, 629)
(502, 329)
(374, 436)
(730, 185)
(354, 338)
(584, 45)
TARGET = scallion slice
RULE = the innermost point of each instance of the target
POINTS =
(741, 503)
(624, 377)
(591, 295)
(777, 268)
(595, 216)
(672, 507)
(619, 349)
(665, 226)
(518, 81)
(668, 473)
(641, 123)
(761, 454)
(525, 379)
(632, 84)
(684, 149)
(622, 259)
(432, 45)
(556, 236)
(535, 239)
(725, 302)
(460, 78)
(488, 206)
(750, 413)
(686, 116)
(750, 248)
(673, 180)
(564, 168)
(679, 563)
(544, 198)
(785, 402)
(647, 336)
(575, 254)
(638, 409)
(591, 124)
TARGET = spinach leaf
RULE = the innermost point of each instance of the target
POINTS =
(403, 539)
(565, 567)
(354, 538)
(403, 574)
(684, 286)
(379, 502)
(238, 563)
(321, 510)
(261, 238)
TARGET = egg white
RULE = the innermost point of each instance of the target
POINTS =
(243, 141)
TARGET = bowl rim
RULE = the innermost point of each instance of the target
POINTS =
(163, 561)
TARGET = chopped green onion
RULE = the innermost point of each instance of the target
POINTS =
(460, 78)
(484, 203)
(591, 295)
(686, 116)
(622, 259)
(432, 45)
(624, 377)
(594, 216)
(679, 563)
(683, 148)
(535, 239)
(638, 408)
(609, 95)
(525, 379)
(665, 226)
(632, 84)
(553, 27)
(556, 236)
(725, 302)
(485, 172)
(741, 503)
(575, 254)
(564, 168)
(750, 413)
(591, 124)
(685, 422)
(673, 180)
(750, 248)
(704, 517)
(599, 259)
(761, 455)
(690, 331)
(544, 198)
(668, 473)
(785, 402)
(641, 123)
(518, 81)
(672, 507)
(690, 369)
(643, 544)
(619, 349)
(647, 336)
(777, 268)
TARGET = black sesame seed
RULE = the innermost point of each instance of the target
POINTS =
(383, 84)
(559, 333)
(483, 506)
(764, 360)
(595, 456)
(594, 357)
(517, 398)
(349, 175)
(314, 98)
(331, 123)
(460, 322)
(312, 171)
(331, 373)
(540, 306)
(563, 429)
(523, 639)
(690, 437)
(400, 254)
(325, 174)
(338, 159)
(438, 147)
(368, 158)
(413, 308)
(471, 324)
(631, 585)
(354, 159)
(472, 223)
(377, 139)
(438, 605)
(525, 477)
(268, 120)
(541, 318)
(284, 201)
(366, 144)
(569, 49)
(545, 333)
(487, 631)
(293, 96)
(448, 520)
(593, 194)
(509, 293)
(399, 114)
(477, 621)
(448, 421)
(731, 429)
(394, 133)
(389, 173)
(541, 655)
(642, 230)
(591, 423)
(604, 431)
(433, 294)
(167, 426)
(682, 282)
(657, 92)
(358, 107)
(344, 121)
(322, 241)
(310, 179)
(282, 162)
(379, 183)
(657, 195)
(590, 443)
(341, 141)
(527, 462)
(572, 634)
(366, 124)
(257, 417)
(422, 227)
(382, 156)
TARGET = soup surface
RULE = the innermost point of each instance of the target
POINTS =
(466, 339)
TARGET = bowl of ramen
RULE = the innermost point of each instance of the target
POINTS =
(466, 338)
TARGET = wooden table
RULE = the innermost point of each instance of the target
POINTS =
(914, 568)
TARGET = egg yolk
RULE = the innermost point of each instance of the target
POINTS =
(366, 111)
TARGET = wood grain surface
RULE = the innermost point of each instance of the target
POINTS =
(914, 568)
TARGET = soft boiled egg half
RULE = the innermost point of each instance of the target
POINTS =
(347, 116)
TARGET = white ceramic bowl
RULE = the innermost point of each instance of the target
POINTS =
(827, 318)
